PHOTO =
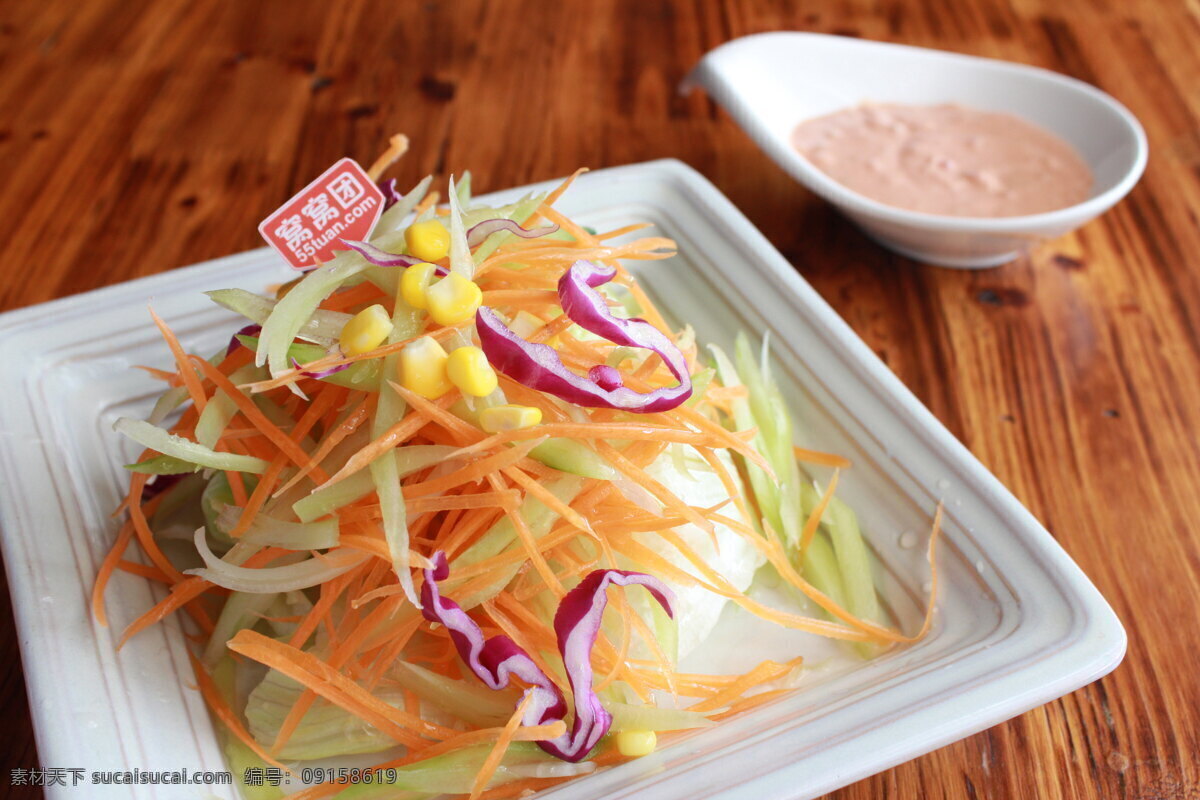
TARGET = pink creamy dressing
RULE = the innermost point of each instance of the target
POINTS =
(946, 160)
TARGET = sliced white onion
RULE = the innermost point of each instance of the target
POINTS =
(289, 578)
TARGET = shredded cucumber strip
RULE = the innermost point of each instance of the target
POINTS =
(468, 700)
(329, 499)
(393, 218)
(325, 730)
(837, 561)
(565, 455)
(267, 531)
(241, 610)
(163, 465)
(462, 192)
(385, 472)
(503, 535)
(362, 375)
(221, 408)
(297, 306)
(167, 443)
(167, 402)
(238, 756)
(322, 328)
(286, 578)
(460, 251)
(643, 717)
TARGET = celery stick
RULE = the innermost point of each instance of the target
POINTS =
(765, 491)
(854, 563)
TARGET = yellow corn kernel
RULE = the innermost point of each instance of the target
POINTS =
(428, 240)
(509, 418)
(423, 368)
(469, 370)
(366, 330)
(453, 299)
(414, 283)
(636, 743)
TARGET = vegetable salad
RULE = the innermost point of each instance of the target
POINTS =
(454, 505)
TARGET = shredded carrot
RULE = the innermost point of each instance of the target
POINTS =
(252, 413)
(814, 519)
(397, 147)
(124, 537)
(335, 687)
(186, 372)
(227, 716)
(357, 417)
(141, 527)
(474, 471)
(764, 672)
(505, 739)
(181, 593)
(143, 570)
(171, 378)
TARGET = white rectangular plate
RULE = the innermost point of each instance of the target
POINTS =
(1017, 625)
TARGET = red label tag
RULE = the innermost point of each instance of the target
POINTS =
(344, 203)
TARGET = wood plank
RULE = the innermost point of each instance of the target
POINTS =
(137, 137)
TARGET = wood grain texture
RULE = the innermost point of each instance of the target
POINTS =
(140, 136)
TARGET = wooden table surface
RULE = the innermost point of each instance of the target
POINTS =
(138, 136)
